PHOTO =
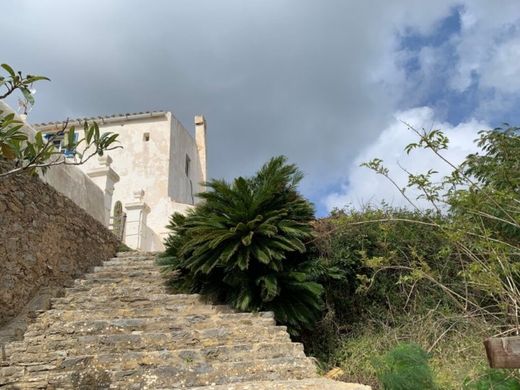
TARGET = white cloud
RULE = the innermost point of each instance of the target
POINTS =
(488, 46)
(316, 81)
(503, 69)
(364, 186)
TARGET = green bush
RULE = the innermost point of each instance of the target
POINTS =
(455, 267)
(245, 245)
(493, 380)
(405, 367)
(376, 250)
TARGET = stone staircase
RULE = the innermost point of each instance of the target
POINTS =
(118, 328)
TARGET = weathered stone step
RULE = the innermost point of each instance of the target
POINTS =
(130, 360)
(174, 340)
(125, 297)
(121, 304)
(116, 289)
(127, 267)
(134, 258)
(183, 376)
(92, 280)
(115, 274)
(103, 313)
(131, 262)
(130, 266)
(116, 328)
(136, 254)
(174, 323)
(218, 373)
(302, 384)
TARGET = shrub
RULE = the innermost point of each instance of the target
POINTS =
(364, 243)
(405, 367)
(245, 245)
(480, 199)
(494, 380)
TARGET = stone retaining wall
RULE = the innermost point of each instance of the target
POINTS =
(45, 240)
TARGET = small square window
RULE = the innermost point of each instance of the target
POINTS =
(146, 137)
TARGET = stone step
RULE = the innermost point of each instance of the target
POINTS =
(103, 313)
(132, 325)
(302, 384)
(122, 342)
(115, 289)
(117, 328)
(93, 280)
(155, 274)
(181, 377)
(134, 258)
(131, 261)
(127, 267)
(128, 360)
(73, 303)
(136, 254)
(126, 297)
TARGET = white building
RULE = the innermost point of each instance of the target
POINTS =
(158, 171)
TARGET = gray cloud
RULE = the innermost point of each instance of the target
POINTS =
(300, 78)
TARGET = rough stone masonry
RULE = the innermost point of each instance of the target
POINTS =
(46, 240)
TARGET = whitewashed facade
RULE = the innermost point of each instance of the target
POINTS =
(158, 171)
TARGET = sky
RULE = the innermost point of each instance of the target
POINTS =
(326, 83)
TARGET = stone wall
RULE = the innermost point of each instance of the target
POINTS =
(45, 240)
(70, 180)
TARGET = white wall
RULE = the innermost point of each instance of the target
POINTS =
(71, 181)
(156, 166)
(182, 188)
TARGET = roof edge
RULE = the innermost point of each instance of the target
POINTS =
(101, 119)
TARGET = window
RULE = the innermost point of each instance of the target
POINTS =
(146, 137)
(58, 140)
(187, 166)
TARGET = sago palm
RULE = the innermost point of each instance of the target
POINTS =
(245, 244)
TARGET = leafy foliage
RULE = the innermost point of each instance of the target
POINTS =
(245, 245)
(494, 380)
(362, 243)
(405, 367)
(39, 152)
(13, 81)
(498, 165)
(481, 202)
(439, 277)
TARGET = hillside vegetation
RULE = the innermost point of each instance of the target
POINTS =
(398, 298)
(443, 278)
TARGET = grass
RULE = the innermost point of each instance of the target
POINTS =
(455, 344)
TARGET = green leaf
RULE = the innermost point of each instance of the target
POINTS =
(27, 95)
(71, 138)
(31, 79)
(248, 239)
(8, 69)
(7, 152)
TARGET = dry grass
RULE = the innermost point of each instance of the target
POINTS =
(454, 341)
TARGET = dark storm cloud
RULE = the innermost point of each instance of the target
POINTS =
(300, 78)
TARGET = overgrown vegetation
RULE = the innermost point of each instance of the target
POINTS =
(444, 278)
(405, 367)
(439, 279)
(245, 245)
